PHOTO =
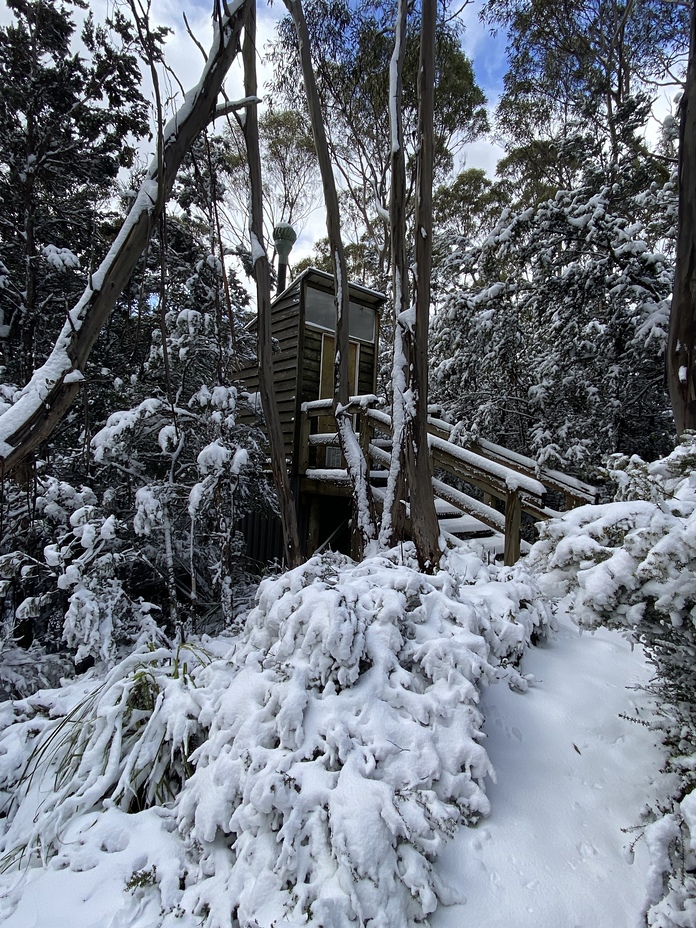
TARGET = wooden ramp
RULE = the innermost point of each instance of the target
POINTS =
(481, 490)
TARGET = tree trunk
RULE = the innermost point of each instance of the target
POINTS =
(250, 126)
(54, 386)
(394, 512)
(681, 345)
(419, 466)
(363, 504)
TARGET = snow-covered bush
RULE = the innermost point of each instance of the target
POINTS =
(319, 766)
(125, 739)
(551, 340)
(632, 561)
(193, 472)
(631, 564)
(68, 585)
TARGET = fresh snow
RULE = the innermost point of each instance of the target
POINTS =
(572, 779)
(339, 738)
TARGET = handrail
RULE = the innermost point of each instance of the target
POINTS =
(517, 491)
(500, 473)
(573, 489)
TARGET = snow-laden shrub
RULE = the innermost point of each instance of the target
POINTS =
(194, 472)
(634, 559)
(23, 671)
(123, 740)
(70, 585)
(551, 340)
(631, 564)
(319, 767)
(348, 746)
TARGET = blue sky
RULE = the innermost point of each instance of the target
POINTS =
(487, 52)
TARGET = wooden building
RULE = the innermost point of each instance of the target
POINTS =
(303, 326)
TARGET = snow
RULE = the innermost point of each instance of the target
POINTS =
(333, 747)
(60, 258)
(571, 776)
(258, 252)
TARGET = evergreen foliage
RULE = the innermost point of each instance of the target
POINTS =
(68, 123)
(580, 70)
(551, 340)
(134, 508)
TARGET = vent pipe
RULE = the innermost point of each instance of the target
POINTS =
(284, 237)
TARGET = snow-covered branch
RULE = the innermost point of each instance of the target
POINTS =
(55, 384)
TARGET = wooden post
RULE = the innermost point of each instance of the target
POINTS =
(365, 438)
(303, 454)
(313, 530)
(513, 525)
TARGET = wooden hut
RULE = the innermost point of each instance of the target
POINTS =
(303, 325)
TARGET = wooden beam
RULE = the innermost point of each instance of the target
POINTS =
(513, 525)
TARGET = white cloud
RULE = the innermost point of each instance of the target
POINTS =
(484, 154)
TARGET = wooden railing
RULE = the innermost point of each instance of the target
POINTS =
(507, 480)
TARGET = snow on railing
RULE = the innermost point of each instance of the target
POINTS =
(500, 474)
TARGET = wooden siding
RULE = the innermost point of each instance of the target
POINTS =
(285, 328)
(297, 381)
(311, 365)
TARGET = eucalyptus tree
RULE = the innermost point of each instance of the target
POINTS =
(351, 47)
(56, 383)
(681, 352)
(291, 186)
(581, 79)
(171, 469)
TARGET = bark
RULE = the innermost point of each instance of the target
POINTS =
(54, 386)
(419, 466)
(394, 513)
(681, 345)
(363, 504)
(286, 501)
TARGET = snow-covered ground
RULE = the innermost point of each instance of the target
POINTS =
(571, 774)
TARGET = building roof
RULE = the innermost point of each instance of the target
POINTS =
(324, 281)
